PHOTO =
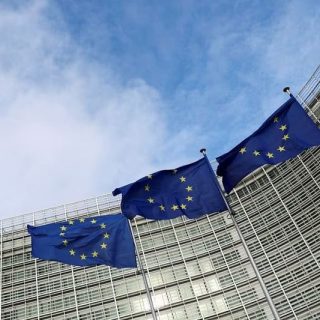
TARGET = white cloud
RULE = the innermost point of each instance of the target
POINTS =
(69, 128)
(250, 61)
(289, 51)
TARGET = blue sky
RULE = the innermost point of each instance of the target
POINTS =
(96, 94)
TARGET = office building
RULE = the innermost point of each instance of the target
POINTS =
(202, 269)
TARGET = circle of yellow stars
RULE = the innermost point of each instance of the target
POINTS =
(81, 255)
(174, 206)
(281, 148)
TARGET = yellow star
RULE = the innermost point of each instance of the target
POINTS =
(283, 127)
(276, 119)
(103, 225)
(174, 171)
(83, 257)
(256, 153)
(93, 221)
(72, 252)
(150, 176)
(189, 198)
(81, 219)
(147, 188)
(281, 149)
(103, 245)
(65, 242)
(285, 137)
(63, 228)
(243, 150)
(182, 179)
(62, 234)
(183, 206)
(151, 200)
(270, 155)
(162, 208)
(174, 207)
(71, 222)
(106, 235)
(189, 188)
(94, 254)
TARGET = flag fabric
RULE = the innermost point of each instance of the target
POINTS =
(285, 134)
(86, 242)
(190, 190)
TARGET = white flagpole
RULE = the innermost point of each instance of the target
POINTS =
(154, 316)
(306, 107)
(287, 90)
(263, 286)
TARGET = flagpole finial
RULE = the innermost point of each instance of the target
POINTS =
(287, 90)
(203, 151)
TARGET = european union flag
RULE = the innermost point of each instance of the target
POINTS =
(190, 190)
(285, 134)
(86, 242)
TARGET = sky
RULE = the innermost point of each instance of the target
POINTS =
(97, 94)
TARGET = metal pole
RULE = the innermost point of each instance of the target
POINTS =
(265, 253)
(228, 268)
(72, 274)
(146, 263)
(287, 90)
(255, 268)
(185, 264)
(154, 316)
(36, 276)
(306, 107)
(110, 275)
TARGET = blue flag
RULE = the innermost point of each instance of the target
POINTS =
(86, 242)
(285, 134)
(191, 190)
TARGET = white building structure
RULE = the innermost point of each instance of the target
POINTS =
(202, 269)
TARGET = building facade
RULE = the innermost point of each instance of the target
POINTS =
(263, 263)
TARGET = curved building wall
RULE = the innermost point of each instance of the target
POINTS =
(278, 214)
(277, 210)
(194, 269)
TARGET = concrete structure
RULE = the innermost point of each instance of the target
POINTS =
(195, 269)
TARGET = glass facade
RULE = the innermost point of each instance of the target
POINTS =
(194, 269)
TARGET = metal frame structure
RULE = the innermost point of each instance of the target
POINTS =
(194, 269)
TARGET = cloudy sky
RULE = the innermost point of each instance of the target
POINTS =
(96, 94)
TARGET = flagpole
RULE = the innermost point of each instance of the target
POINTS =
(287, 90)
(36, 275)
(255, 268)
(154, 316)
(306, 107)
(72, 274)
